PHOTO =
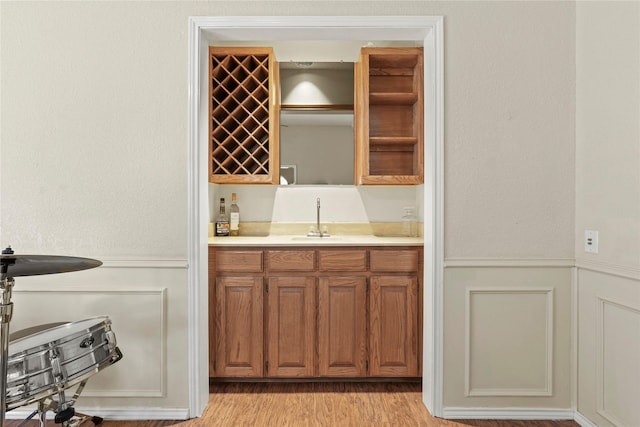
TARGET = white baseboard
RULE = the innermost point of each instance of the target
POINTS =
(582, 420)
(115, 414)
(508, 413)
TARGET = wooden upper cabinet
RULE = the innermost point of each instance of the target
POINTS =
(244, 116)
(389, 116)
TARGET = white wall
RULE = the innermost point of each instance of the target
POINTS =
(93, 162)
(608, 200)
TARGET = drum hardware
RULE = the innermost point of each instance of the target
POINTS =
(33, 389)
(68, 415)
(47, 360)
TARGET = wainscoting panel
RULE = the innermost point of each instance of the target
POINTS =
(146, 299)
(618, 352)
(508, 328)
(138, 321)
(609, 348)
(507, 335)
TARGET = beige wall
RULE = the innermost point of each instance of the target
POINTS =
(99, 82)
(509, 190)
(608, 200)
(507, 337)
(509, 129)
(608, 131)
(93, 159)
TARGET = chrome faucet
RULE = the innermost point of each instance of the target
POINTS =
(317, 232)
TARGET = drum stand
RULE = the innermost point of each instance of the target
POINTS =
(6, 312)
(65, 414)
(28, 265)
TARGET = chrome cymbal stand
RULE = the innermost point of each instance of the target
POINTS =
(6, 312)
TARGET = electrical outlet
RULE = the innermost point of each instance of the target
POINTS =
(591, 241)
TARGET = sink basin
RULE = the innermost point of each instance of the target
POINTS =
(308, 238)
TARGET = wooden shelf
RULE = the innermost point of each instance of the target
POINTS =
(389, 116)
(379, 143)
(243, 121)
(382, 98)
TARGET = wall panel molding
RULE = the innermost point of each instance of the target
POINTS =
(603, 345)
(110, 302)
(547, 388)
(144, 263)
(509, 262)
(625, 271)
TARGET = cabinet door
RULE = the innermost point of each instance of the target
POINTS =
(291, 326)
(239, 327)
(393, 350)
(244, 121)
(342, 326)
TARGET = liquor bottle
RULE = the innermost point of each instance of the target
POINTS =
(234, 214)
(222, 221)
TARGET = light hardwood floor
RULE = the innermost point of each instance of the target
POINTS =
(320, 405)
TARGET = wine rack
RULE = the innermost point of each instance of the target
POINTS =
(243, 117)
(389, 116)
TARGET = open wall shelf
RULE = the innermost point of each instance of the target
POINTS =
(390, 116)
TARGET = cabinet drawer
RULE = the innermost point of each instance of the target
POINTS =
(243, 261)
(343, 260)
(298, 260)
(394, 260)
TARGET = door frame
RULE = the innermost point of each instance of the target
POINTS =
(203, 29)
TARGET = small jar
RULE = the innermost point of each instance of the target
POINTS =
(409, 222)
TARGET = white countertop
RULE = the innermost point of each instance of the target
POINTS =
(301, 240)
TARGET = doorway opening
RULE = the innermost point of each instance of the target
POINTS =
(205, 30)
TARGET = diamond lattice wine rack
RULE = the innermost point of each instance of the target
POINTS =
(243, 121)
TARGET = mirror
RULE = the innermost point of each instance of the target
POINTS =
(316, 123)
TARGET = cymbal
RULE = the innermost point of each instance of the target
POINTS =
(34, 265)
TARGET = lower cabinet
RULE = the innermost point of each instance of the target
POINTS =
(238, 327)
(308, 313)
(393, 321)
(291, 327)
(342, 327)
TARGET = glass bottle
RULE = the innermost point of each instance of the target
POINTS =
(234, 217)
(222, 221)
(409, 222)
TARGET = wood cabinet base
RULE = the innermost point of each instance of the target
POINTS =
(315, 314)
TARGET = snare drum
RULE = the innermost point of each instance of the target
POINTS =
(46, 359)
